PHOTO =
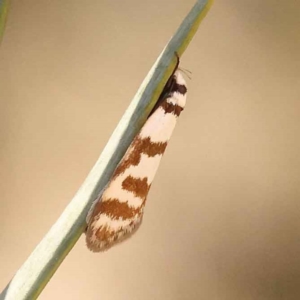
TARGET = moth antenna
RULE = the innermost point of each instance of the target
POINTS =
(187, 72)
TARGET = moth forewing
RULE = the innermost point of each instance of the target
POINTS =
(117, 214)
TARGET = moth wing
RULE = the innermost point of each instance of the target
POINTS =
(119, 211)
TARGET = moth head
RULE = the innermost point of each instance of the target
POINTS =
(179, 90)
(179, 78)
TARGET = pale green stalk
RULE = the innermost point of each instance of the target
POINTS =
(34, 274)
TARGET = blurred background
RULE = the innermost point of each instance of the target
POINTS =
(222, 219)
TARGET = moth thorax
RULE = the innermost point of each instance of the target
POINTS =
(180, 90)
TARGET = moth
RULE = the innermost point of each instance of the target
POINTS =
(119, 211)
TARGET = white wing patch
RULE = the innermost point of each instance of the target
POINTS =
(166, 121)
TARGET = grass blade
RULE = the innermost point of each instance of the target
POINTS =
(34, 274)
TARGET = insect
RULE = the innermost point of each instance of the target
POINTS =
(118, 212)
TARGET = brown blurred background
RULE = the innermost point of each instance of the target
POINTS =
(222, 220)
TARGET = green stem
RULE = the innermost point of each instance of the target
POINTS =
(34, 274)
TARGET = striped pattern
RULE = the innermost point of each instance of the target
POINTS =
(119, 211)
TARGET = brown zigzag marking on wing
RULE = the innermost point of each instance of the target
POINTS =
(180, 88)
(171, 108)
(115, 209)
(104, 233)
(140, 146)
(139, 187)
(108, 237)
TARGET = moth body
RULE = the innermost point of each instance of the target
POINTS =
(117, 214)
